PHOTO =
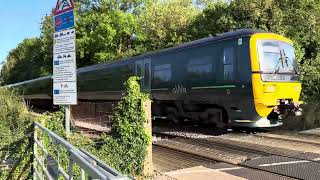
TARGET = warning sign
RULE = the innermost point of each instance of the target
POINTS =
(63, 6)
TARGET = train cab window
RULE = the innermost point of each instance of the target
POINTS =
(228, 62)
(200, 68)
(162, 73)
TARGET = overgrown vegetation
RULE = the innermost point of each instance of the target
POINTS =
(124, 149)
(16, 134)
(55, 122)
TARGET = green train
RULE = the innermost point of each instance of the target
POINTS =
(246, 78)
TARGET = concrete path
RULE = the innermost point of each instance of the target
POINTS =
(198, 172)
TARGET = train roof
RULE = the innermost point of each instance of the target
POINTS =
(219, 37)
(29, 81)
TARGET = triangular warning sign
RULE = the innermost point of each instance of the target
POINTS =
(63, 6)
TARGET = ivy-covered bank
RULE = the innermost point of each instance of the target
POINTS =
(126, 148)
(123, 149)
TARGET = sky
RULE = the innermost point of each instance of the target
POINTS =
(21, 19)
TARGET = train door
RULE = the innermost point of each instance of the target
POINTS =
(143, 70)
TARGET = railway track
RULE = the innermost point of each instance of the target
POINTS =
(280, 162)
(169, 163)
(166, 159)
(303, 139)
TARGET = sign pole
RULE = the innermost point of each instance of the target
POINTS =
(67, 120)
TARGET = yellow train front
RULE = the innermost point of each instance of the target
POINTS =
(275, 80)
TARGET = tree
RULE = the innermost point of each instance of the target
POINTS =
(165, 23)
(24, 62)
(46, 37)
(108, 30)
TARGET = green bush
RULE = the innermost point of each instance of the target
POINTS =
(55, 123)
(16, 135)
(310, 76)
(126, 148)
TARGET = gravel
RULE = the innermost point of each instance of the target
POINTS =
(185, 132)
(157, 138)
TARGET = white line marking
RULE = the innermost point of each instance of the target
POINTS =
(227, 169)
(316, 159)
(160, 89)
(202, 171)
(283, 163)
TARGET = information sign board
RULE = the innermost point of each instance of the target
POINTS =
(64, 41)
(65, 93)
(64, 67)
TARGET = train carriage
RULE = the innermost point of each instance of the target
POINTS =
(245, 78)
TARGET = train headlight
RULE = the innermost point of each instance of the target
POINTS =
(270, 88)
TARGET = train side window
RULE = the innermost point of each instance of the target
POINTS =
(228, 62)
(126, 71)
(147, 75)
(162, 73)
(200, 68)
(138, 70)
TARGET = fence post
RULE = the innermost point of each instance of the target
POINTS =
(35, 151)
(148, 165)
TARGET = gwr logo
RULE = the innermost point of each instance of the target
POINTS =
(179, 89)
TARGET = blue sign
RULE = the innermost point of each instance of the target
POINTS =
(56, 92)
(64, 21)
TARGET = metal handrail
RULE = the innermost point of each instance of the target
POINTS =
(100, 163)
(88, 163)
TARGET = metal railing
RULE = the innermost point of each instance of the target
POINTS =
(50, 168)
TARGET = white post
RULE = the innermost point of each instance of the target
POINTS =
(67, 120)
